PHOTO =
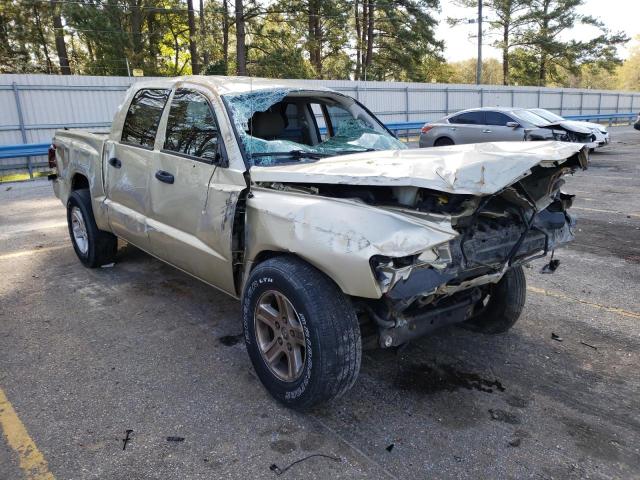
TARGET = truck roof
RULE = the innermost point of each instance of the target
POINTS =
(224, 85)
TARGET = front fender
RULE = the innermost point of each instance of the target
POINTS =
(337, 236)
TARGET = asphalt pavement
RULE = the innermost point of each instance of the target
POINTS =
(86, 355)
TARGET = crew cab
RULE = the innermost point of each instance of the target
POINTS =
(300, 203)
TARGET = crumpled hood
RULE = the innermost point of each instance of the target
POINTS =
(477, 169)
(590, 125)
(570, 125)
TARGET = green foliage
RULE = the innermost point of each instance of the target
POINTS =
(628, 75)
(336, 39)
(465, 71)
(404, 41)
(26, 39)
(542, 40)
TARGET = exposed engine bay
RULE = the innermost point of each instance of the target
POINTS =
(563, 132)
(446, 283)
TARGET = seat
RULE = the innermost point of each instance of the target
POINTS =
(266, 125)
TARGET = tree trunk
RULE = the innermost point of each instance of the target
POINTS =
(505, 54)
(193, 50)
(370, 24)
(136, 34)
(356, 10)
(241, 48)
(61, 47)
(154, 41)
(43, 40)
(363, 40)
(544, 33)
(315, 37)
(542, 74)
(225, 36)
(203, 35)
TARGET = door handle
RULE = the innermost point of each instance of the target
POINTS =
(486, 131)
(453, 129)
(164, 177)
(114, 162)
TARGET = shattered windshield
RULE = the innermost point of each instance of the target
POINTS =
(284, 125)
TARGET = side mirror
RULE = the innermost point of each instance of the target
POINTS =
(513, 124)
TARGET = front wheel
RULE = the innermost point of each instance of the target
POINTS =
(502, 306)
(301, 332)
(92, 246)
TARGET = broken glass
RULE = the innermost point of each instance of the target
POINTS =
(350, 134)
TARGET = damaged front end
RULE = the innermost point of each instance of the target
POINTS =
(564, 132)
(446, 283)
(439, 228)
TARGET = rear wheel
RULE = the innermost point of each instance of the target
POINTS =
(443, 142)
(301, 332)
(501, 308)
(92, 246)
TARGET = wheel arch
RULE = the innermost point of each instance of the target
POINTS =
(443, 137)
(79, 181)
(267, 254)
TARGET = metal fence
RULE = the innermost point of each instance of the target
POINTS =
(32, 107)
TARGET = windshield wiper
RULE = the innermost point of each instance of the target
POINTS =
(294, 154)
(347, 152)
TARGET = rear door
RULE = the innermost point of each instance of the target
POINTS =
(467, 127)
(127, 164)
(193, 194)
(496, 128)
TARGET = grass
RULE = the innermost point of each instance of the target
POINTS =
(21, 177)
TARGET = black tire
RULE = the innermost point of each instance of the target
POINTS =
(443, 142)
(332, 341)
(505, 303)
(102, 246)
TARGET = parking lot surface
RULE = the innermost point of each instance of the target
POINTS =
(86, 355)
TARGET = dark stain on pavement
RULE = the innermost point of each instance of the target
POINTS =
(230, 340)
(515, 401)
(283, 446)
(503, 416)
(434, 378)
(593, 439)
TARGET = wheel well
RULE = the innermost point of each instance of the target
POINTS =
(264, 256)
(79, 182)
(443, 137)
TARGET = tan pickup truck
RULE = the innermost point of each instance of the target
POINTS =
(299, 202)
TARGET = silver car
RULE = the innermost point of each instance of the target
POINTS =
(600, 132)
(498, 124)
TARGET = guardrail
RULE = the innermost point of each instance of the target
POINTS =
(603, 116)
(40, 149)
(28, 150)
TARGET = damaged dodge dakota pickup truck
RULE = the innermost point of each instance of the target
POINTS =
(300, 203)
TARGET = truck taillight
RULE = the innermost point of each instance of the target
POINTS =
(52, 156)
(426, 128)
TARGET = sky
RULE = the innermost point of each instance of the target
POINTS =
(617, 15)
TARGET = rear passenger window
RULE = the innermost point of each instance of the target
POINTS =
(469, 118)
(143, 116)
(497, 118)
(192, 129)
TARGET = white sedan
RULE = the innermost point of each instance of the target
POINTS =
(600, 132)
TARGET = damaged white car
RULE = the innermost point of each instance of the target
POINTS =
(303, 205)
